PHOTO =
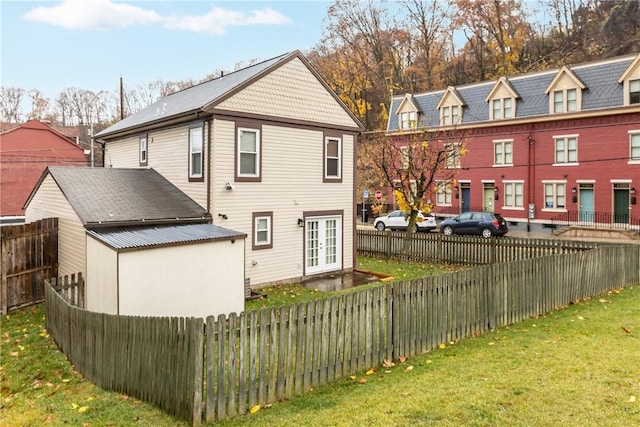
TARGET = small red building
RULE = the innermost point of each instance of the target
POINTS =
(558, 146)
(25, 151)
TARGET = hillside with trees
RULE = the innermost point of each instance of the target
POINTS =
(373, 49)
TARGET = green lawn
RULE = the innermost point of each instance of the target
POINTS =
(575, 367)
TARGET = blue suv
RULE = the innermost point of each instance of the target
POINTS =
(485, 224)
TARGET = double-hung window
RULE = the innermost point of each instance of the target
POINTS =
(453, 156)
(248, 155)
(408, 120)
(332, 159)
(262, 230)
(502, 109)
(554, 195)
(513, 195)
(143, 150)
(443, 193)
(634, 92)
(451, 115)
(503, 153)
(634, 146)
(565, 101)
(196, 155)
(566, 149)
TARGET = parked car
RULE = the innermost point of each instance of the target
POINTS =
(486, 224)
(398, 220)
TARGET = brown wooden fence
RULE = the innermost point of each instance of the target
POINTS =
(29, 256)
(471, 250)
(218, 369)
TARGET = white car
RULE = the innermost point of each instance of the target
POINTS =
(398, 220)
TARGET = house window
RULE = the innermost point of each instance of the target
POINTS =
(566, 150)
(502, 109)
(248, 153)
(443, 193)
(634, 92)
(332, 159)
(195, 153)
(554, 195)
(408, 120)
(565, 101)
(405, 157)
(502, 153)
(143, 150)
(453, 156)
(513, 195)
(451, 115)
(635, 147)
(262, 230)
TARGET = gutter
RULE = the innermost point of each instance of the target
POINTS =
(205, 219)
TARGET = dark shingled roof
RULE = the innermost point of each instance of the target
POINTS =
(150, 237)
(103, 196)
(601, 79)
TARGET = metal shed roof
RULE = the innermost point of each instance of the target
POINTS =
(152, 237)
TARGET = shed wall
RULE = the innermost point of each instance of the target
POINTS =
(102, 274)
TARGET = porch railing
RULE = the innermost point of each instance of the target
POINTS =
(608, 220)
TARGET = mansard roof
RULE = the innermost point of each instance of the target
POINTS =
(600, 78)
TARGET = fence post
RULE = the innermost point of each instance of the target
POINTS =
(388, 254)
(3, 272)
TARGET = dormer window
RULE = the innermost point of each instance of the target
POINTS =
(634, 92)
(502, 100)
(565, 101)
(565, 92)
(408, 112)
(630, 81)
(450, 107)
(408, 120)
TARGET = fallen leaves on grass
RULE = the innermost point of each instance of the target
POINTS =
(254, 409)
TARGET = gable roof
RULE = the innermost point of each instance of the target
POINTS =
(600, 77)
(201, 97)
(103, 197)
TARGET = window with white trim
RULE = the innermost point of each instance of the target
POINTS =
(453, 156)
(634, 92)
(503, 153)
(502, 108)
(248, 153)
(565, 101)
(196, 160)
(443, 193)
(634, 146)
(262, 230)
(404, 157)
(555, 195)
(513, 194)
(408, 120)
(566, 149)
(332, 158)
(143, 150)
(450, 115)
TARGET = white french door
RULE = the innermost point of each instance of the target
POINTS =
(323, 243)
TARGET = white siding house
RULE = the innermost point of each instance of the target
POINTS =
(268, 150)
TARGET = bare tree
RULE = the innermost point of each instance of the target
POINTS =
(39, 105)
(11, 103)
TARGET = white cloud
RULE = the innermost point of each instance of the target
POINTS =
(217, 20)
(93, 14)
(106, 15)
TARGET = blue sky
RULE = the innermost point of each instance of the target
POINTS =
(90, 44)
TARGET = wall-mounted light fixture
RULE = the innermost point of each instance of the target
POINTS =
(223, 216)
(456, 189)
(495, 192)
(228, 186)
(574, 197)
(300, 222)
(633, 197)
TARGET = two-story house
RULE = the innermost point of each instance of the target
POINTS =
(268, 150)
(561, 144)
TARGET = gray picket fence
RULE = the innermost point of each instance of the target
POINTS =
(222, 367)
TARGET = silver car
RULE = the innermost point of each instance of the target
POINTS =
(398, 220)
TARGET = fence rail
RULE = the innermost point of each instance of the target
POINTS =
(215, 370)
(28, 257)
